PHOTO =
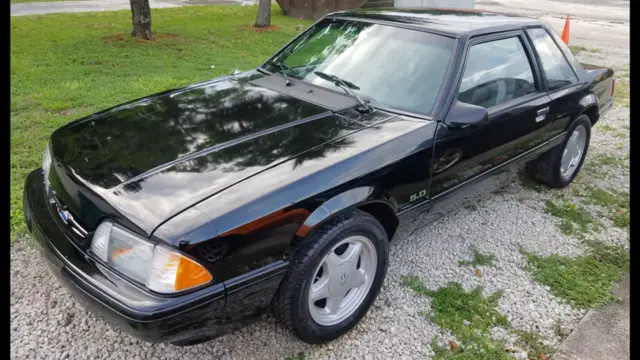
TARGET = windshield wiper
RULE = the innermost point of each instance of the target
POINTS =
(283, 68)
(345, 85)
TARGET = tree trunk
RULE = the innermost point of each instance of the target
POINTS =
(264, 14)
(141, 19)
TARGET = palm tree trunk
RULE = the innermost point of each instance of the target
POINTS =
(264, 14)
(141, 19)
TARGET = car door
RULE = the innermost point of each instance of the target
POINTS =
(558, 76)
(500, 74)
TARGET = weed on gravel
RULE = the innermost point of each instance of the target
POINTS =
(479, 259)
(621, 93)
(576, 49)
(615, 204)
(298, 356)
(471, 207)
(560, 331)
(527, 182)
(600, 166)
(576, 220)
(608, 160)
(531, 341)
(609, 198)
(621, 219)
(469, 315)
(573, 218)
(584, 281)
(620, 133)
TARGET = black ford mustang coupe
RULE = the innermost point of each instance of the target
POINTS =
(181, 216)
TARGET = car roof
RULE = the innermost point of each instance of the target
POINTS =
(455, 22)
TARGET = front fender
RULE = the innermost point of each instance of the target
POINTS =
(356, 197)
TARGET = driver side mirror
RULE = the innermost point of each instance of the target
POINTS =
(462, 115)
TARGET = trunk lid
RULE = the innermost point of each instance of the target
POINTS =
(602, 82)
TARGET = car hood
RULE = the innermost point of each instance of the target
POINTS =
(154, 157)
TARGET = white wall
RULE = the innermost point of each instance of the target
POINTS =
(460, 4)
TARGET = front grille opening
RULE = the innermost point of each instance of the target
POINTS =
(213, 252)
(68, 222)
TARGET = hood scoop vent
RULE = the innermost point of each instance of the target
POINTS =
(303, 91)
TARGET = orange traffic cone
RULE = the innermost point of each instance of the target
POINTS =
(565, 32)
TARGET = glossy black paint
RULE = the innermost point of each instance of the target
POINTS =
(237, 171)
(123, 304)
(462, 115)
(258, 226)
(455, 22)
(156, 157)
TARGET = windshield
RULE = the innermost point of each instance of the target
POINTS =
(388, 66)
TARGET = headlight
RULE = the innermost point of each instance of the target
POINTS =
(46, 166)
(158, 268)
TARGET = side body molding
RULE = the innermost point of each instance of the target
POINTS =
(343, 201)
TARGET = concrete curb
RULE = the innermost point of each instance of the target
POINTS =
(603, 334)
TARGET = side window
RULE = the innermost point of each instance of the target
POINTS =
(496, 72)
(556, 68)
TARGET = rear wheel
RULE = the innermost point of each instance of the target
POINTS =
(561, 165)
(333, 279)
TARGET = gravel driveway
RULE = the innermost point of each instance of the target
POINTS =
(46, 323)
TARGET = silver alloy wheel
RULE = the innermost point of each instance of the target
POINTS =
(342, 280)
(573, 151)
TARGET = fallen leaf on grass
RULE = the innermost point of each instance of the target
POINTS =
(478, 273)
(454, 346)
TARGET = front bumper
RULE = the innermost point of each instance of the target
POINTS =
(134, 310)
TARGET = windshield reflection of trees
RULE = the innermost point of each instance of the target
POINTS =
(330, 37)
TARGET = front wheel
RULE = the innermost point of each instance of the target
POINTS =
(561, 165)
(333, 279)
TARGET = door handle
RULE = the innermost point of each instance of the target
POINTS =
(542, 114)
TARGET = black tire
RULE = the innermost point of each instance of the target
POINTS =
(546, 169)
(289, 304)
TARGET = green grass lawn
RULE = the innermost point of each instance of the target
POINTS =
(65, 66)
(30, 1)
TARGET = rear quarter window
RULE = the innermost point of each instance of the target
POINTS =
(554, 64)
